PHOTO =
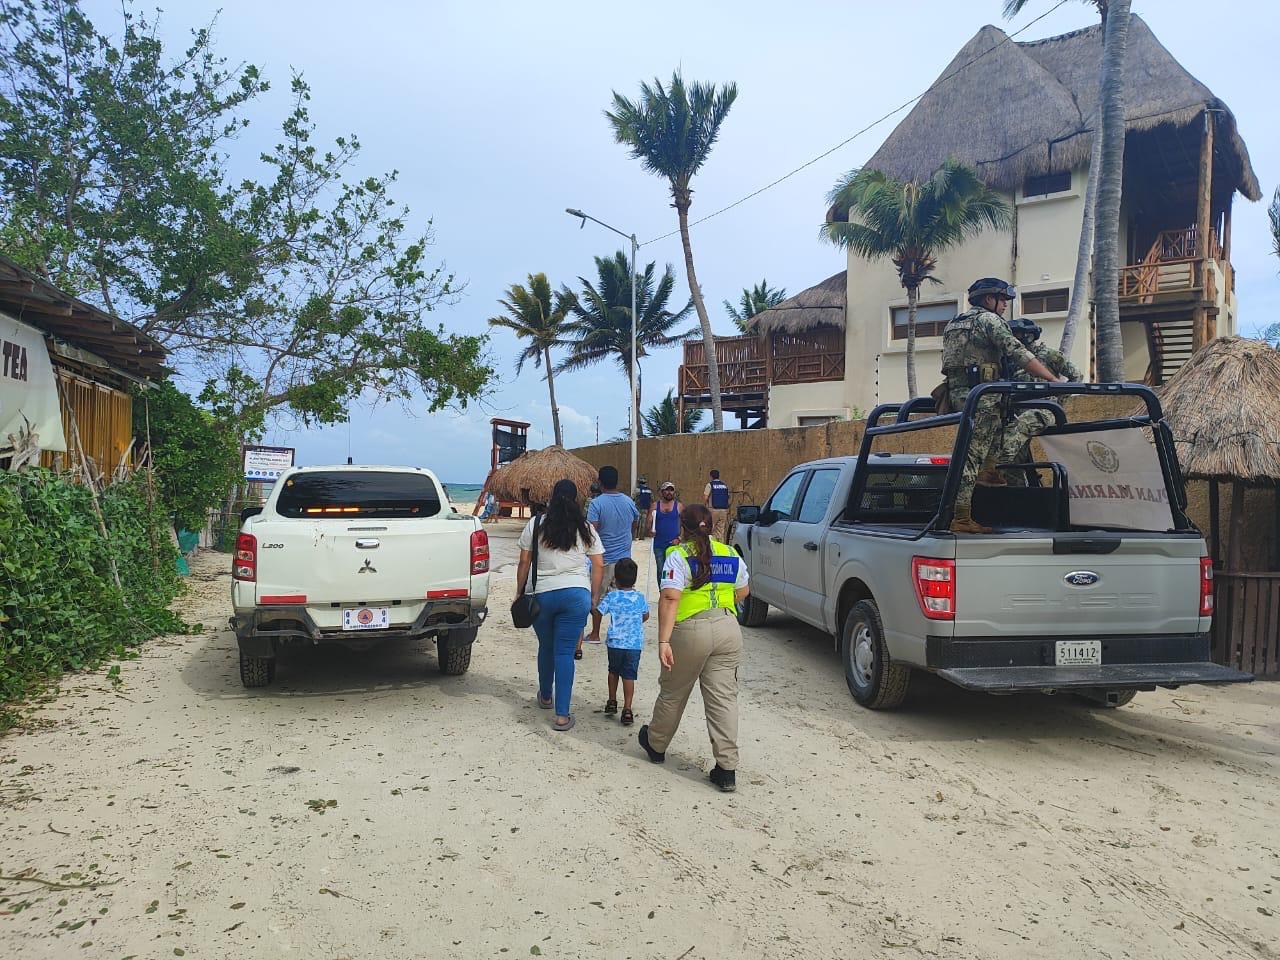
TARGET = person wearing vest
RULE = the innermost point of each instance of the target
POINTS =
(699, 641)
(975, 347)
(664, 524)
(1028, 333)
(715, 496)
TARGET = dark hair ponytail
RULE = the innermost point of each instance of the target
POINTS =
(695, 527)
(564, 525)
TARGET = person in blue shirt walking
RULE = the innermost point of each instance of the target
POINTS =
(628, 611)
(665, 524)
(612, 514)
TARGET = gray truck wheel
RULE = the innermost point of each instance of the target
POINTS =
(752, 612)
(454, 651)
(257, 671)
(875, 681)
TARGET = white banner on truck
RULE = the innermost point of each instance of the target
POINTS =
(1113, 479)
(28, 390)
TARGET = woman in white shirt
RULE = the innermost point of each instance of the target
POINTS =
(566, 592)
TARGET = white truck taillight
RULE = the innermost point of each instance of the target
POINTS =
(479, 552)
(935, 583)
(244, 566)
(1206, 586)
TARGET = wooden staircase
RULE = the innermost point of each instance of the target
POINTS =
(1171, 343)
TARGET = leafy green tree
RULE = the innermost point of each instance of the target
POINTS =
(1108, 171)
(535, 314)
(671, 131)
(754, 300)
(297, 291)
(600, 328)
(663, 419)
(195, 458)
(910, 223)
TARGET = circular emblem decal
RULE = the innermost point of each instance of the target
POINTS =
(1103, 457)
(1081, 578)
(365, 617)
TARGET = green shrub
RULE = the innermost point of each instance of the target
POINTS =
(60, 608)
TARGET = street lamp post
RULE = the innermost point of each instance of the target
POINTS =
(635, 412)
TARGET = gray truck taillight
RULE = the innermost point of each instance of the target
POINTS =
(1206, 586)
(479, 551)
(244, 564)
(935, 583)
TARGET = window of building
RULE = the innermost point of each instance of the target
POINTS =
(1048, 183)
(815, 421)
(930, 319)
(1045, 301)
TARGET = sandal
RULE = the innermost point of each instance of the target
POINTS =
(577, 654)
(628, 718)
(610, 707)
(564, 727)
(545, 704)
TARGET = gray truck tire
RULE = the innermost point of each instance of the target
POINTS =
(752, 612)
(454, 651)
(875, 681)
(257, 671)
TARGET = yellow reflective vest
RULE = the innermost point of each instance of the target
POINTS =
(716, 593)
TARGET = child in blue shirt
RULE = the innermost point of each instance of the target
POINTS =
(628, 612)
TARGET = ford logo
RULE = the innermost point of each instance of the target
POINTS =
(1082, 578)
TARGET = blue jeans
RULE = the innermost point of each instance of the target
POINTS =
(562, 615)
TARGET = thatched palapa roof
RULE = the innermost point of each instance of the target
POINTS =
(820, 305)
(1223, 407)
(1014, 110)
(537, 471)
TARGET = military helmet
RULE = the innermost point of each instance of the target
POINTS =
(993, 287)
(1024, 328)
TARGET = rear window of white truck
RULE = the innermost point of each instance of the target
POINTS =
(342, 495)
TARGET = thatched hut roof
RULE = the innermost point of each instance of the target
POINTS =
(820, 305)
(1014, 110)
(1223, 407)
(533, 475)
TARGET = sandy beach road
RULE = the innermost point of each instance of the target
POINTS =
(366, 806)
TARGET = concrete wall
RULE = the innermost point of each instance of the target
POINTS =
(790, 401)
(1039, 254)
(753, 462)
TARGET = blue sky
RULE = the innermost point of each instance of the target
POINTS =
(492, 113)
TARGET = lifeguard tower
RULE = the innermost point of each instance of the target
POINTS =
(510, 439)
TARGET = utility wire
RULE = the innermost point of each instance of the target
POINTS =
(870, 126)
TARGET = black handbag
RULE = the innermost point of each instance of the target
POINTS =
(525, 608)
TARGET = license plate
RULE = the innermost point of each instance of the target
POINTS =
(366, 618)
(1078, 653)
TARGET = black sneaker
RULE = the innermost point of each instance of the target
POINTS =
(726, 780)
(654, 755)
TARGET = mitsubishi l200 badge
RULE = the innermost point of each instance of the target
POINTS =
(368, 567)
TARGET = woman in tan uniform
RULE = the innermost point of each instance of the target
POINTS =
(699, 641)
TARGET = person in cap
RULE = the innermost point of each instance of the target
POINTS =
(644, 503)
(664, 523)
(976, 345)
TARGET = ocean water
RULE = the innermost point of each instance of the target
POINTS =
(463, 492)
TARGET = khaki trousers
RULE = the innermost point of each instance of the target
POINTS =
(720, 519)
(707, 648)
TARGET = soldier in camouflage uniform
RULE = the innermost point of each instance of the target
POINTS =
(974, 345)
(1028, 334)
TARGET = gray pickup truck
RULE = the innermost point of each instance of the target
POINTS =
(1092, 581)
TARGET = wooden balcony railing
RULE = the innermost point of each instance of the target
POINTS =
(810, 356)
(1144, 282)
(750, 364)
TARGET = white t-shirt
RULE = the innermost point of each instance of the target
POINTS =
(558, 569)
(676, 573)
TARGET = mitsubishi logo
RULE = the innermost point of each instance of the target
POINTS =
(368, 567)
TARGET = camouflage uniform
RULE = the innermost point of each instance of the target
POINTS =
(1015, 450)
(983, 338)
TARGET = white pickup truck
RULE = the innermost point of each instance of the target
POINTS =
(355, 555)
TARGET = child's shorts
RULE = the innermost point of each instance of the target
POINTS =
(624, 663)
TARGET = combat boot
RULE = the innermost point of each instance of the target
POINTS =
(962, 522)
(991, 477)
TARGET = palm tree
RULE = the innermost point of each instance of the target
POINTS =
(671, 131)
(662, 419)
(877, 216)
(1108, 169)
(754, 300)
(1273, 213)
(600, 327)
(537, 315)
